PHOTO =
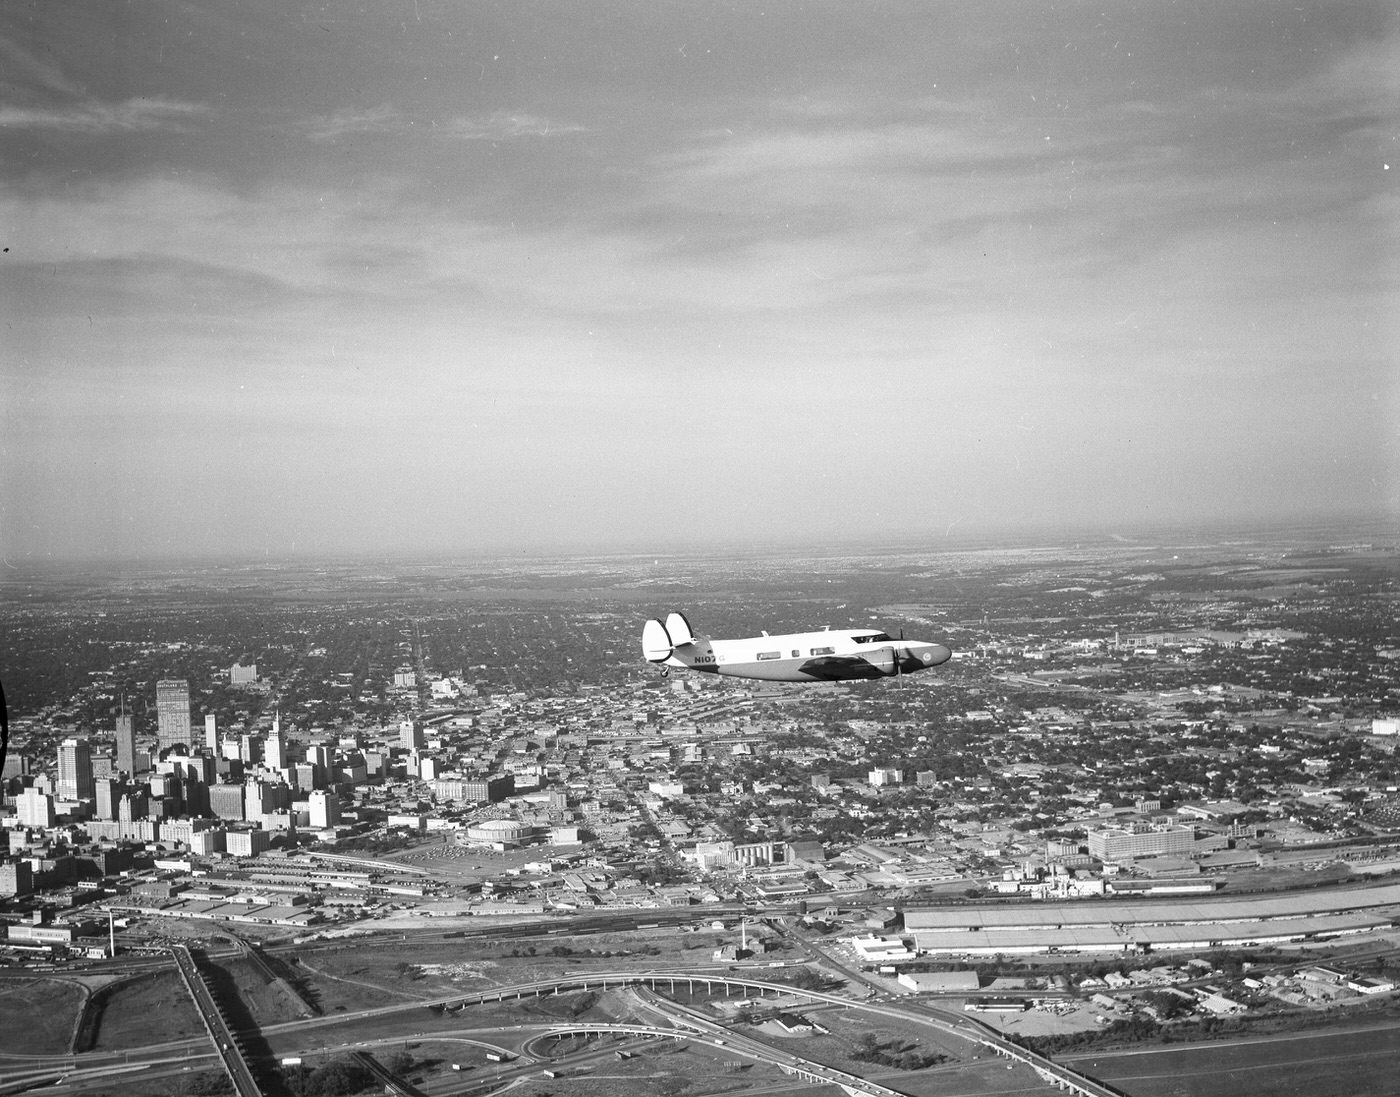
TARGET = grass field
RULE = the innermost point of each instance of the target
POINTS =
(667, 1069)
(148, 1010)
(1318, 1064)
(37, 1016)
(371, 974)
(263, 1001)
(195, 1082)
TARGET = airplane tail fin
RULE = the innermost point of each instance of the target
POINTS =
(678, 628)
(659, 641)
(656, 642)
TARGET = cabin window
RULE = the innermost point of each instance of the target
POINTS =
(770, 654)
(823, 651)
(796, 654)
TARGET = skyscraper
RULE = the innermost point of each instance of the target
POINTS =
(172, 713)
(275, 750)
(250, 749)
(126, 742)
(109, 792)
(211, 734)
(75, 770)
(324, 808)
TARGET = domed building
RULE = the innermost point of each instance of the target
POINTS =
(502, 834)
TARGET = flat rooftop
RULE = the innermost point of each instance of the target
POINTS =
(1044, 916)
(1122, 938)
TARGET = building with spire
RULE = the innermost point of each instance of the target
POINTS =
(275, 752)
(126, 741)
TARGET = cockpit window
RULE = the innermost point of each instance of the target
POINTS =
(876, 638)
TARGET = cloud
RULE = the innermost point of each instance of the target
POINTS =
(385, 121)
(96, 118)
(502, 126)
(346, 123)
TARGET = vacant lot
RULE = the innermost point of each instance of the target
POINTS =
(666, 1069)
(37, 1016)
(248, 994)
(151, 1009)
(371, 973)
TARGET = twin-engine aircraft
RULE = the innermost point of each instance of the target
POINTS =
(832, 655)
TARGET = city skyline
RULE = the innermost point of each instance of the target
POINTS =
(1157, 776)
(289, 281)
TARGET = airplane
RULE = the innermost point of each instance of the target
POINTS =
(831, 655)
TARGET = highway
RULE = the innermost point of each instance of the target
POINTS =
(392, 1082)
(679, 1022)
(226, 1044)
(945, 1021)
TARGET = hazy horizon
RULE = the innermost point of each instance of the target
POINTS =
(1045, 537)
(286, 280)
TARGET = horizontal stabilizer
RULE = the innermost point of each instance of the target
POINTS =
(678, 628)
(656, 641)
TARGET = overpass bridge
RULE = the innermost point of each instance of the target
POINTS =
(977, 1032)
(394, 1086)
(226, 1044)
(804, 1069)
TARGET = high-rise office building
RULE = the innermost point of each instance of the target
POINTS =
(211, 733)
(411, 735)
(227, 801)
(126, 742)
(275, 750)
(324, 809)
(172, 714)
(109, 792)
(34, 807)
(75, 770)
(134, 805)
(250, 749)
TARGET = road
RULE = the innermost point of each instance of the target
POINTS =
(226, 1044)
(681, 1021)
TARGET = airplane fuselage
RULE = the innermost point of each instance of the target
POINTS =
(830, 655)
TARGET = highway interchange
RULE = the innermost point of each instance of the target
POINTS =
(664, 1018)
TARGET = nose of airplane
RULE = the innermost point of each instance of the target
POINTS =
(931, 655)
(917, 656)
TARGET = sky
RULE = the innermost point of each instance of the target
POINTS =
(284, 278)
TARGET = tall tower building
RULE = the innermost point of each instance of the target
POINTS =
(109, 792)
(275, 751)
(172, 713)
(134, 805)
(34, 808)
(211, 733)
(411, 735)
(324, 809)
(75, 770)
(126, 741)
(250, 749)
